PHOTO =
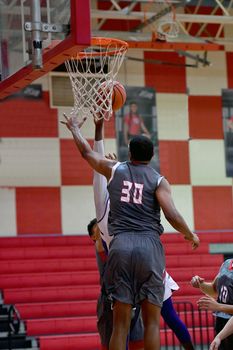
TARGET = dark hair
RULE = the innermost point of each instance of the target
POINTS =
(90, 226)
(141, 148)
(133, 103)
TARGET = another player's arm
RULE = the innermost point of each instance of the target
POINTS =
(99, 181)
(164, 197)
(96, 161)
(99, 124)
(209, 303)
(225, 332)
(208, 288)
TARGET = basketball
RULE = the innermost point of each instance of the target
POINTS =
(118, 96)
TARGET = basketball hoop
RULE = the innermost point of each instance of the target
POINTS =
(92, 73)
(163, 23)
(168, 29)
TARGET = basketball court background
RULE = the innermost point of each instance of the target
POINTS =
(46, 188)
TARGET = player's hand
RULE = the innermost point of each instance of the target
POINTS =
(73, 122)
(111, 156)
(100, 117)
(194, 239)
(196, 281)
(98, 121)
(215, 343)
(207, 303)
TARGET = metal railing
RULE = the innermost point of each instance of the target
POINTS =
(200, 325)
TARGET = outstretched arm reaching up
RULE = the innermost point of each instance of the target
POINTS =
(101, 196)
(95, 160)
(99, 181)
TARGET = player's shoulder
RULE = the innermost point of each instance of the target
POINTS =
(154, 171)
(226, 268)
(119, 167)
(228, 263)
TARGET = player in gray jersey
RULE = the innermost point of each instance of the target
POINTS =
(98, 231)
(136, 264)
(218, 298)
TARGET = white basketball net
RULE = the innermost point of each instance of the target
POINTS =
(167, 29)
(92, 74)
(166, 26)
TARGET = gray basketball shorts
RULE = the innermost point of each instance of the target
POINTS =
(135, 268)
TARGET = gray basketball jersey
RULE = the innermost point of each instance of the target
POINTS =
(133, 205)
(225, 286)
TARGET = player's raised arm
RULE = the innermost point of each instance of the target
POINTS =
(99, 181)
(95, 160)
(164, 197)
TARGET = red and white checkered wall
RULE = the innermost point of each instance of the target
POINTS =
(46, 187)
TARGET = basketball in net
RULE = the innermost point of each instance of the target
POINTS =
(93, 78)
(117, 90)
(118, 96)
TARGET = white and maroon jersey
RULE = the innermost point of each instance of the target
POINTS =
(224, 286)
(170, 286)
(101, 198)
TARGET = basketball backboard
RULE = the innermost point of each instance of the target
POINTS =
(38, 35)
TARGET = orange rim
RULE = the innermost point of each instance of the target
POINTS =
(118, 46)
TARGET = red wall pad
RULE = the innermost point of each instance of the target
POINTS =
(212, 214)
(74, 169)
(174, 161)
(17, 119)
(165, 78)
(205, 117)
(38, 210)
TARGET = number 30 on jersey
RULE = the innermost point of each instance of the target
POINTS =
(137, 192)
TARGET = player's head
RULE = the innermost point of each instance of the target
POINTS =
(93, 230)
(133, 106)
(141, 148)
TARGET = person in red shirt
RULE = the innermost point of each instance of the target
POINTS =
(133, 124)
